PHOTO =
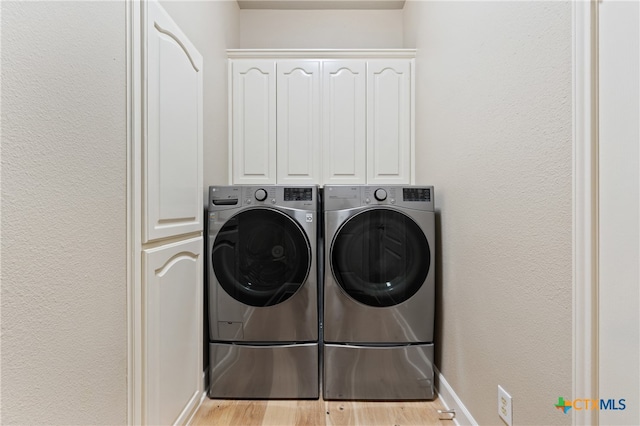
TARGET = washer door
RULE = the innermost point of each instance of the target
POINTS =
(380, 257)
(261, 257)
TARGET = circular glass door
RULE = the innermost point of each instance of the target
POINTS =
(380, 257)
(261, 257)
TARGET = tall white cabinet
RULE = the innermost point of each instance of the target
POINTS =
(171, 223)
(328, 116)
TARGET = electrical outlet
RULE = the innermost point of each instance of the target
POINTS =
(505, 408)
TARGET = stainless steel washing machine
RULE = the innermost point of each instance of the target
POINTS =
(263, 292)
(379, 291)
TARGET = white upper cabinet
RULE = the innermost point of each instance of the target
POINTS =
(388, 121)
(172, 185)
(327, 117)
(298, 122)
(344, 121)
(253, 117)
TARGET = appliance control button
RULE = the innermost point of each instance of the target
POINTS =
(248, 200)
(273, 201)
(380, 194)
(261, 194)
(367, 201)
(393, 201)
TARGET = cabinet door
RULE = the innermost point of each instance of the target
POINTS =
(343, 137)
(253, 118)
(389, 121)
(298, 116)
(172, 187)
(172, 291)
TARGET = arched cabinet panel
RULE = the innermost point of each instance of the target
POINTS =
(172, 170)
(344, 121)
(388, 122)
(173, 329)
(298, 122)
(253, 122)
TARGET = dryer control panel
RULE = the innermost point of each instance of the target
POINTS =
(298, 194)
(416, 194)
(339, 197)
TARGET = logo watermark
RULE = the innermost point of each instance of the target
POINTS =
(590, 404)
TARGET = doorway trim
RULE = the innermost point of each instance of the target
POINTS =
(135, 357)
(585, 207)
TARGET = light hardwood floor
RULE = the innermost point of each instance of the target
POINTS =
(318, 412)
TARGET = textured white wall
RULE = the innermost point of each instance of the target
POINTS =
(64, 324)
(319, 29)
(213, 27)
(493, 134)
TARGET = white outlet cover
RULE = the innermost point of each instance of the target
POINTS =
(505, 407)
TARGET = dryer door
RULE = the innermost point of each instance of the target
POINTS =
(380, 257)
(261, 257)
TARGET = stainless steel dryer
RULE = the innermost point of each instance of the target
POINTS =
(379, 292)
(263, 292)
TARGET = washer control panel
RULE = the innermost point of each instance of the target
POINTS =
(235, 196)
(379, 195)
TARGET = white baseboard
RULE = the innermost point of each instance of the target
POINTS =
(451, 401)
(203, 396)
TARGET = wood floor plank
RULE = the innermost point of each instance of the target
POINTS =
(340, 413)
(230, 412)
(293, 412)
(312, 413)
(317, 412)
